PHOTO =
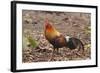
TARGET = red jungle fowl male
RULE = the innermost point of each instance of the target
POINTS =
(58, 40)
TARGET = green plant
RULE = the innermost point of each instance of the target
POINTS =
(32, 41)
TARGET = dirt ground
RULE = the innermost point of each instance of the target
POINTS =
(68, 23)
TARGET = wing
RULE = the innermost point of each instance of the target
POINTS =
(58, 41)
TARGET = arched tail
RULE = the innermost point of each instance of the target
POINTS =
(81, 46)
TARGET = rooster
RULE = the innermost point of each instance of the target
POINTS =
(58, 40)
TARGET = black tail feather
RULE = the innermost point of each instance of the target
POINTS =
(74, 43)
(81, 46)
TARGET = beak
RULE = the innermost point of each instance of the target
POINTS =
(47, 24)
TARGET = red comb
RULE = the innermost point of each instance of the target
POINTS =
(46, 20)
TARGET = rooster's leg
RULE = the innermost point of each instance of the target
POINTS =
(54, 51)
(52, 55)
(57, 51)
